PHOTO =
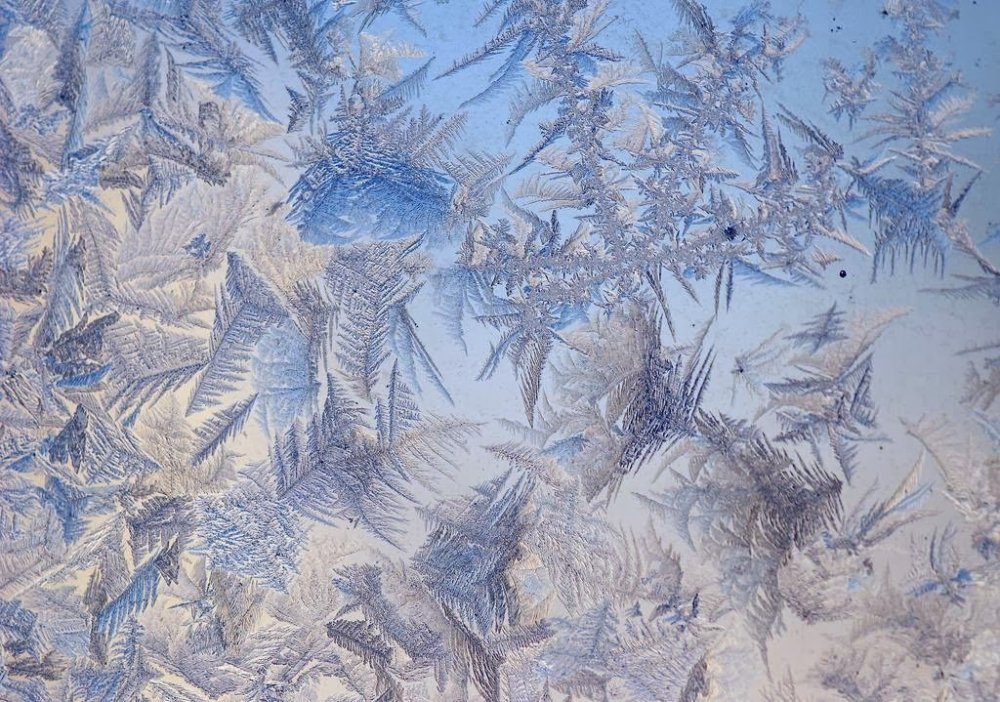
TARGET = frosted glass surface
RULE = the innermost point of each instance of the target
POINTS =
(532, 351)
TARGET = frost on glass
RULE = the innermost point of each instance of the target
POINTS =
(548, 350)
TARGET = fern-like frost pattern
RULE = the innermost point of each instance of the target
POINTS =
(530, 351)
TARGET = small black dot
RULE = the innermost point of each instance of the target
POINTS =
(843, 273)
